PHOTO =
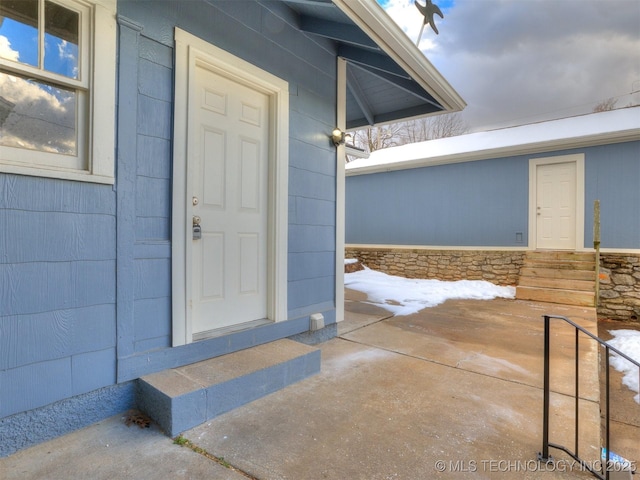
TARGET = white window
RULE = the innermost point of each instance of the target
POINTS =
(57, 88)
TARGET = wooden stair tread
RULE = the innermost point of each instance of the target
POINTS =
(557, 273)
(565, 297)
(558, 277)
(558, 283)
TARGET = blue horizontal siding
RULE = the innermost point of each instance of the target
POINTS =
(26, 339)
(155, 81)
(310, 211)
(311, 291)
(36, 194)
(41, 287)
(306, 265)
(612, 176)
(485, 202)
(154, 117)
(93, 370)
(35, 385)
(482, 203)
(309, 184)
(153, 157)
(57, 286)
(35, 236)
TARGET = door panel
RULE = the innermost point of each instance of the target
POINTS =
(229, 123)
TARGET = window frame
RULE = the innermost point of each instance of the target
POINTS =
(95, 102)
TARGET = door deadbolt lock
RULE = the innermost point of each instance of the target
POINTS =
(197, 229)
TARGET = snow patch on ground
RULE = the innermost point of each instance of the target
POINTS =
(405, 296)
(628, 342)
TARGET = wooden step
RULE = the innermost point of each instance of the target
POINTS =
(182, 398)
(558, 283)
(557, 273)
(561, 255)
(550, 295)
(559, 265)
(558, 277)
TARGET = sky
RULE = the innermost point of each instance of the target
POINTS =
(523, 61)
(405, 296)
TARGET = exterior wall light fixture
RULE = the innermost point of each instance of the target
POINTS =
(338, 137)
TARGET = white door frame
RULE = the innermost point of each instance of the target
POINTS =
(578, 159)
(189, 51)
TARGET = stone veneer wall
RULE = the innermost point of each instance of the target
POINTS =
(619, 286)
(501, 267)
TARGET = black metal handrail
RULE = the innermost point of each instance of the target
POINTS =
(544, 454)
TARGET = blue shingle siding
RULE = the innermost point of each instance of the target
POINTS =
(57, 285)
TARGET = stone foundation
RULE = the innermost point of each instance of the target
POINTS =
(619, 286)
(495, 266)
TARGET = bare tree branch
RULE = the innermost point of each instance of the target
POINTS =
(429, 128)
(605, 105)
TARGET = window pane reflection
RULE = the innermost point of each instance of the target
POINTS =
(19, 31)
(61, 40)
(37, 116)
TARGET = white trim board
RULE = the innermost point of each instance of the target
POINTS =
(190, 50)
(341, 120)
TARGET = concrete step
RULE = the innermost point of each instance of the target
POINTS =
(182, 398)
(558, 283)
(551, 295)
(586, 275)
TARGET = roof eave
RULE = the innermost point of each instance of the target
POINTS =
(374, 21)
(628, 135)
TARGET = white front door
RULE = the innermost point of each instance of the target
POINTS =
(230, 171)
(228, 158)
(556, 206)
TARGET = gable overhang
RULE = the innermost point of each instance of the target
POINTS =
(388, 77)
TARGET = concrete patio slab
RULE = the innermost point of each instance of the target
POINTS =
(451, 392)
(110, 450)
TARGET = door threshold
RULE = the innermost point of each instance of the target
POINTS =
(222, 331)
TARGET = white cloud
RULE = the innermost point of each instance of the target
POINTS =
(42, 117)
(6, 51)
(522, 61)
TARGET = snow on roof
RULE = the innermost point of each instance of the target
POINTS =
(581, 131)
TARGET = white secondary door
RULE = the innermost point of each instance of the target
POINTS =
(227, 197)
(556, 206)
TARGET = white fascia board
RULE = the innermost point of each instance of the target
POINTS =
(579, 132)
(375, 22)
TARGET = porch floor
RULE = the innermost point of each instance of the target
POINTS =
(453, 391)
